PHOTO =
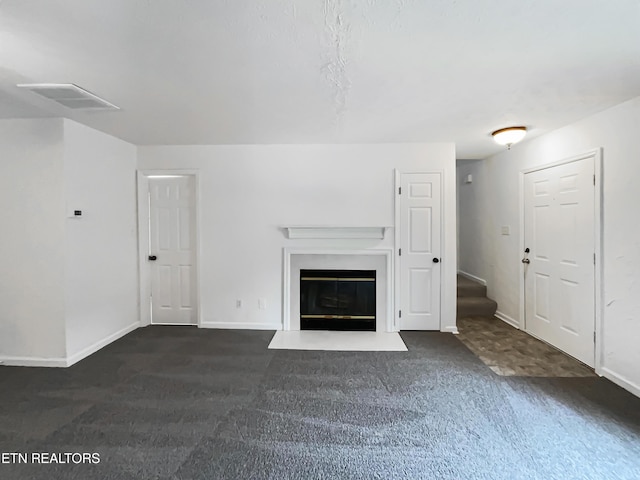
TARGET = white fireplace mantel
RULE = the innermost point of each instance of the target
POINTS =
(334, 231)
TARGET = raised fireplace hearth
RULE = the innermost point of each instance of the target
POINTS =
(338, 300)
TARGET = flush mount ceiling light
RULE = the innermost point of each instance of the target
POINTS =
(69, 95)
(510, 135)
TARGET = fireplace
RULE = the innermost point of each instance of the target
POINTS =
(302, 259)
(338, 300)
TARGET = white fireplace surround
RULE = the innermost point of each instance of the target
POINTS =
(378, 259)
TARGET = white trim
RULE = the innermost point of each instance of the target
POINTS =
(397, 177)
(448, 281)
(473, 277)
(599, 251)
(596, 154)
(241, 325)
(91, 349)
(521, 289)
(286, 290)
(330, 231)
(575, 158)
(144, 280)
(198, 245)
(620, 381)
(286, 277)
(32, 362)
(70, 360)
(507, 319)
(175, 324)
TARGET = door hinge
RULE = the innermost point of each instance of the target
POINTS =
(594, 179)
(399, 252)
(594, 337)
(594, 258)
(399, 190)
(399, 313)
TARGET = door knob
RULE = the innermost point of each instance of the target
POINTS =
(526, 260)
(436, 260)
(153, 258)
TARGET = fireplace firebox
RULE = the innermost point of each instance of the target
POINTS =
(338, 300)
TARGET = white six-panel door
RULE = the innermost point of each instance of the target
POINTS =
(172, 243)
(560, 276)
(420, 247)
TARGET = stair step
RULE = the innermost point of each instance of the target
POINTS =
(476, 307)
(470, 288)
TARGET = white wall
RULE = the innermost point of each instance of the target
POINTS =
(249, 192)
(101, 281)
(474, 239)
(32, 242)
(67, 286)
(494, 199)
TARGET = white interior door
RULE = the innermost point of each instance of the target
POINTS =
(559, 231)
(419, 254)
(172, 249)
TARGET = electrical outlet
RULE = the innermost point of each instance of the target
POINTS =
(238, 303)
(262, 303)
(506, 230)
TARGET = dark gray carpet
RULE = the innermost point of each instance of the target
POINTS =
(182, 403)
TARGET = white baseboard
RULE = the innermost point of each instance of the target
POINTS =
(33, 362)
(241, 325)
(453, 330)
(621, 381)
(473, 277)
(507, 319)
(85, 352)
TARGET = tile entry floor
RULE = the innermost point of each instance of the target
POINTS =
(511, 352)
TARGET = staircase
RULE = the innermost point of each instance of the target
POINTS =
(472, 299)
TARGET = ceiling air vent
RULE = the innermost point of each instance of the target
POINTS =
(70, 96)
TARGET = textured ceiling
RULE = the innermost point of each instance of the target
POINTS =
(323, 71)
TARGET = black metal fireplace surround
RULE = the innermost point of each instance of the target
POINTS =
(338, 300)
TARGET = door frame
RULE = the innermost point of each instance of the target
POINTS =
(445, 307)
(596, 154)
(144, 278)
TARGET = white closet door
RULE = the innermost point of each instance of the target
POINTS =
(172, 250)
(419, 255)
